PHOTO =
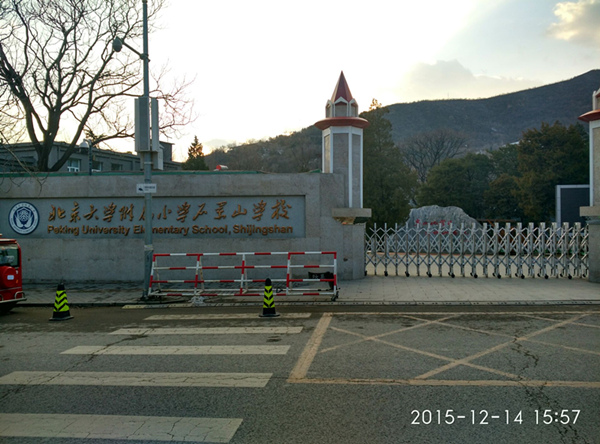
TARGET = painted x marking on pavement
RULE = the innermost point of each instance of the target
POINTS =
(313, 348)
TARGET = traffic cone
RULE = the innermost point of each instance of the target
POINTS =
(268, 301)
(61, 305)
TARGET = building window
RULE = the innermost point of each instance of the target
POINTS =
(73, 165)
(96, 166)
(116, 167)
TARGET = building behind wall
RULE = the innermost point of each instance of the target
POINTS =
(16, 157)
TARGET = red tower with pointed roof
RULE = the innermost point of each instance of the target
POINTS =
(343, 141)
(341, 109)
(342, 90)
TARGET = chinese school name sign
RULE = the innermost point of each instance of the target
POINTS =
(273, 217)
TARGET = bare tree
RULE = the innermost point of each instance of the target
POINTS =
(58, 69)
(426, 150)
(305, 149)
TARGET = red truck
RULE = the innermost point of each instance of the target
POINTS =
(11, 279)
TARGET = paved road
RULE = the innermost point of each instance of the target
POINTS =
(377, 290)
(313, 375)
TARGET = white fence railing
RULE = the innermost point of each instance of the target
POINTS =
(496, 250)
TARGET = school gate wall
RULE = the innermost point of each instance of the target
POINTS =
(87, 224)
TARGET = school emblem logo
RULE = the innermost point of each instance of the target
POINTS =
(23, 218)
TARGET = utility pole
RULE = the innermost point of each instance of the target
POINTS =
(148, 247)
(142, 133)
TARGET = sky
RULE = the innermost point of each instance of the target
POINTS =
(267, 67)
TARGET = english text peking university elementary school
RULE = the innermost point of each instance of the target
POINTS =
(81, 227)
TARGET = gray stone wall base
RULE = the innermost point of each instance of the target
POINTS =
(121, 259)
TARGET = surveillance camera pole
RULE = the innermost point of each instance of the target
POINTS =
(146, 154)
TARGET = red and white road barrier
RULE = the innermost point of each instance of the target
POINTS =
(201, 278)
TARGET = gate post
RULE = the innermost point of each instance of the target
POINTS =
(592, 213)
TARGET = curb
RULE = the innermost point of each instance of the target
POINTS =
(371, 303)
(136, 304)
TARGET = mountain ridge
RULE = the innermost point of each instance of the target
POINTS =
(486, 124)
(499, 120)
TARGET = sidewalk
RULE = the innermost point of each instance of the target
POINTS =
(388, 290)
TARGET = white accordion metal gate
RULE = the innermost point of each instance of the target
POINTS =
(479, 250)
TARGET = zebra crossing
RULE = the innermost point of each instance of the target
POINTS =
(154, 379)
(149, 428)
(115, 427)
(179, 350)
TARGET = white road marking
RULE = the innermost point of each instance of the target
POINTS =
(179, 350)
(138, 379)
(208, 317)
(142, 428)
(208, 331)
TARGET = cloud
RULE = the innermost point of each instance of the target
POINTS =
(451, 80)
(578, 22)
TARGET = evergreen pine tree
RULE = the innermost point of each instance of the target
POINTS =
(195, 160)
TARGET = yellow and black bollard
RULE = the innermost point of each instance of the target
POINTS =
(61, 305)
(268, 301)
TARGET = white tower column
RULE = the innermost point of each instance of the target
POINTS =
(592, 213)
(343, 143)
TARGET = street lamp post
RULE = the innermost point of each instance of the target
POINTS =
(144, 133)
